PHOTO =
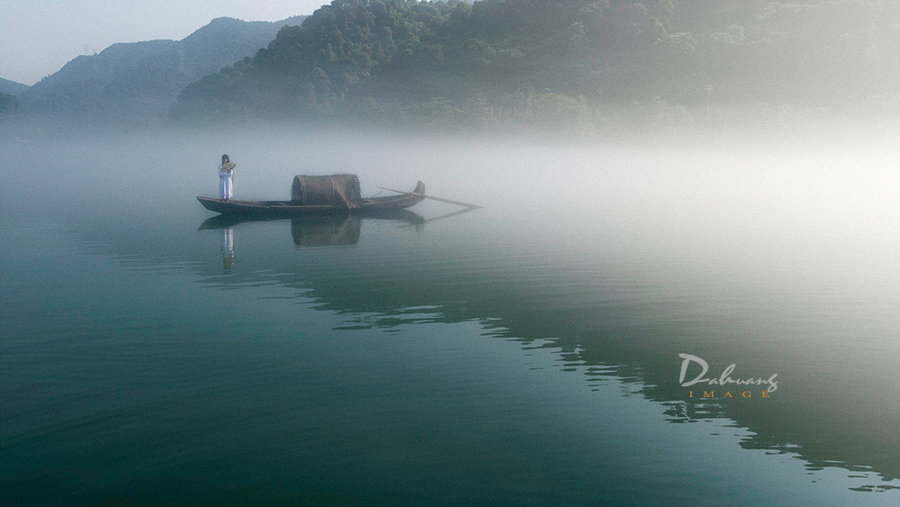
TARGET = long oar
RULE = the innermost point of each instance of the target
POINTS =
(441, 199)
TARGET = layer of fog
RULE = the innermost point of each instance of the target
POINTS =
(832, 193)
(820, 207)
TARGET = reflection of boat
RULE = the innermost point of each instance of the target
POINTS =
(323, 229)
(225, 221)
(318, 195)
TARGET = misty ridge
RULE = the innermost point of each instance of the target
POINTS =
(589, 66)
(135, 83)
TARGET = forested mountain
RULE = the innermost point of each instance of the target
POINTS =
(136, 83)
(512, 61)
(9, 104)
(11, 87)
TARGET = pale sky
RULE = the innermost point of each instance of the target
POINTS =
(38, 37)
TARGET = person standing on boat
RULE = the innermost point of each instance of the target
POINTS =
(226, 176)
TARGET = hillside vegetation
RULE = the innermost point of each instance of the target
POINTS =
(136, 83)
(11, 87)
(552, 61)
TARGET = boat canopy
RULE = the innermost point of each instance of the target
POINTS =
(337, 190)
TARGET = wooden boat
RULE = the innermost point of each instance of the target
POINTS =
(332, 196)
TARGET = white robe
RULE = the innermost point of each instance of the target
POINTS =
(225, 183)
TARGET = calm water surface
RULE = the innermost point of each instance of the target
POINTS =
(525, 353)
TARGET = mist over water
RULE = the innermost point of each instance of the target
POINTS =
(542, 330)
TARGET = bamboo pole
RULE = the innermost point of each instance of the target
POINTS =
(441, 199)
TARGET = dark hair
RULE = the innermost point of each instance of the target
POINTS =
(225, 158)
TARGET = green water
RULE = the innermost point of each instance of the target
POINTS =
(524, 353)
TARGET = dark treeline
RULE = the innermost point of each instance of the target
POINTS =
(573, 62)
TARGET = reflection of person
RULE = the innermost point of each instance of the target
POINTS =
(226, 175)
(227, 248)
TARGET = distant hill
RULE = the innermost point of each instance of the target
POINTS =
(11, 87)
(136, 83)
(561, 61)
(9, 105)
